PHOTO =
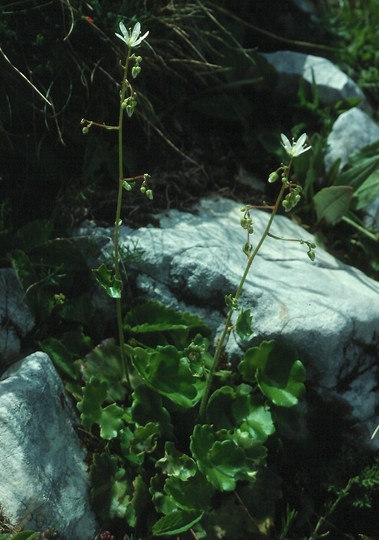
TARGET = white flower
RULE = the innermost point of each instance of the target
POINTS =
(131, 37)
(295, 148)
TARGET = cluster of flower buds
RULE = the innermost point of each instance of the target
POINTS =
(311, 249)
(129, 104)
(246, 220)
(144, 189)
(136, 69)
(195, 352)
(292, 198)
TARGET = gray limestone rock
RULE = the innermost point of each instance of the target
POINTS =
(352, 131)
(15, 318)
(43, 477)
(332, 84)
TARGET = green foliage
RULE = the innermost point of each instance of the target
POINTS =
(353, 28)
(156, 468)
(333, 203)
(108, 281)
(279, 376)
(158, 325)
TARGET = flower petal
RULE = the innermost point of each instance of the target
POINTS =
(286, 143)
(123, 29)
(135, 32)
(297, 147)
(139, 40)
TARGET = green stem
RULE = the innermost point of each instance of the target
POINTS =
(116, 235)
(361, 229)
(227, 326)
(323, 519)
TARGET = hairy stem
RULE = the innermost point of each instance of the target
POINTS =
(227, 326)
(116, 252)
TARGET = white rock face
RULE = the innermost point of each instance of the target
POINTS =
(43, 478)
(15, 318)
(352, 131)
(326, 309)
(332, 83)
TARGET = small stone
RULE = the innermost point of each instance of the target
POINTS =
(43, 476)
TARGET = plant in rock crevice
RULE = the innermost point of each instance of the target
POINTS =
(189, 432)
(174, 433)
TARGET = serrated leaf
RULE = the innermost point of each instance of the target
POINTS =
(109, 418)
(280, 377)
(104, 363)
(108, 281)
(221, 461)
(162, 502)
(259, 423)
(176, 522)
(176, 464)
(244, 324)
(94, 394)
(116, 492)
(332, 203)
(136, 443)
(168, 372)
(110, 421)
(238, 411)
(160, 325)
(193, 494)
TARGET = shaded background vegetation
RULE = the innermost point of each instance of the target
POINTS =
(206, 101)
(203, 99)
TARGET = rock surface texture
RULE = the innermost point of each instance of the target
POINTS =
(352, 131)
(15, 319)
(327, 310)
(332, 84)
(43, 478)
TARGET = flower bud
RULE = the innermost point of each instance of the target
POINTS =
(136, 70)
(127, 186)
(149, 194)
(247, 249)
(130, 110)
(273, 177)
